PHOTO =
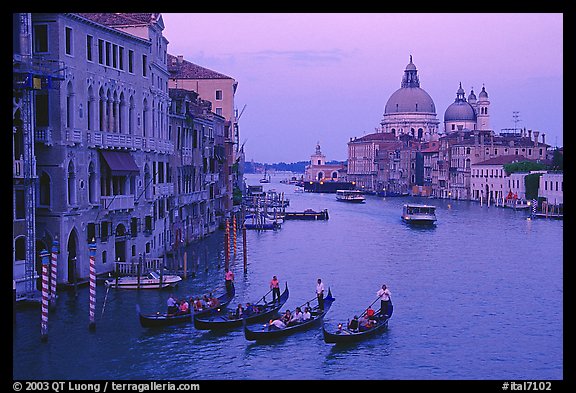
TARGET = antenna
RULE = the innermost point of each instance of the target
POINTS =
(515, 116)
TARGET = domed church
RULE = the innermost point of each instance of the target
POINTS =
(410, 110)
(467, 115)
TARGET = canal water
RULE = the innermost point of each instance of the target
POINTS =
(479, 296)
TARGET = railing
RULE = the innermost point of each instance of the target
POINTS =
(131, 268)
(117, 202)
(43, 135)
(164, 189)
(74, 136)
(18, 168)
(106, 140)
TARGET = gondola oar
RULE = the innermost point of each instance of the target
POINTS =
(369, 306)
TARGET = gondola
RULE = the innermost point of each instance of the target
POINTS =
(224, 319)
(344, 335)
(164, 319)
(257, 332)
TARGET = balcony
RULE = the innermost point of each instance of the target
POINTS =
(43, 135)
(117, 202)
(164, 189)
(73, 136)
(18, 168)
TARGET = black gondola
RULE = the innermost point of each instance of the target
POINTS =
(165, 319)
(344, 335)
(224, 319)
(265, 332)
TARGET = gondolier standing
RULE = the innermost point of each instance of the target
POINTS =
(275, 287)
(384, 295)
(229, 279)
(320, 294)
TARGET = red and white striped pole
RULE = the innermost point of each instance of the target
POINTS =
(44, 324)
(234, 233)
(227, 245)
(53, 268)
(92, 248)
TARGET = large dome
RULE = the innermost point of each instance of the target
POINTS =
(410, 97)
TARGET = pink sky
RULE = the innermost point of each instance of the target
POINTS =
(308, 78)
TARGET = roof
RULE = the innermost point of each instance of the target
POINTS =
(501, 160)
(183, 69)
(121, 18)
(411, 100)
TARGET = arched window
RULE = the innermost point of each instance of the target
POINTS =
(420, 133)
(69, 105)
(335, 175)
(145, 113)
(101, 110)
(90, 109)
(92, 196)
(71, 184)
(131, 116)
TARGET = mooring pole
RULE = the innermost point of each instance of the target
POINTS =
(244, 253)
(227, 245)
(234, 231)
(53, 268)
(92, 252)
(44, 324)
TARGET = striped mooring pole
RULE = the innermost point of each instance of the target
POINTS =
(44, 324)
(234, 231)
(227, 246)
(53, 271)
(92, 248)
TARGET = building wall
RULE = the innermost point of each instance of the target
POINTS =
(551, 187)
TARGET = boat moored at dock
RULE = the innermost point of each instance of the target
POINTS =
(153, 280)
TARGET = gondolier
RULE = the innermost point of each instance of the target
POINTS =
(275, 287)
(320, 294)
(384, 295)
(229, 279)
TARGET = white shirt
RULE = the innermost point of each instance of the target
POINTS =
(319, 288)
(383, 294)
(279, 324)
(305, 316)
(297, 317)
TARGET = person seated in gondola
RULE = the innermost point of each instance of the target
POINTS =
(370, 313)
(198, 306)
(306, 314)
(276, 324)
(239, 311)
(249, 309)
(353, 325)
(214, 302)
(364, 323)
(296, 317)
(184, 307)
(286, 317)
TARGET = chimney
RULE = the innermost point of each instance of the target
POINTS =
(536, 137)
(530, 134)
(180, 59)
(543, 139)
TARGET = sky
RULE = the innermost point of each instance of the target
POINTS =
(308, 78)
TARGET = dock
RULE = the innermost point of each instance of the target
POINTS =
(307, 214)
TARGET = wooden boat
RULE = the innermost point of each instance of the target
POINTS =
(307, 214)
(164, 319)
(353, 196)
(344, 335)
(153, 280)
(265, 332)
(419, 214)
(225, 319)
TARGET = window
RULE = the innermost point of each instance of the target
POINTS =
(89, 41)
(114, 55)
(219, 111)
(131, 61)
(108, 57)
(100, 52)
(144, 65)
(19, 202)
(218, 94)
(41, 38)
(41, 110)
(121, 58)
(68, 32)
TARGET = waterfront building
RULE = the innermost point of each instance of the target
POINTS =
(102, 153)
(219, 89)
(491, 184)
(318, 170)
(551, 188)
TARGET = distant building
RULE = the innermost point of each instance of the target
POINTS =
(318, 170)
(551, 188)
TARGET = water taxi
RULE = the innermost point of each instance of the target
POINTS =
(419, 214)
(354, 196)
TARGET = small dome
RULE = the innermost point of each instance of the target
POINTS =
(459, 111)
(472, 96)
(483, 93)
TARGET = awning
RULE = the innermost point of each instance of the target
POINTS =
(120, 163)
